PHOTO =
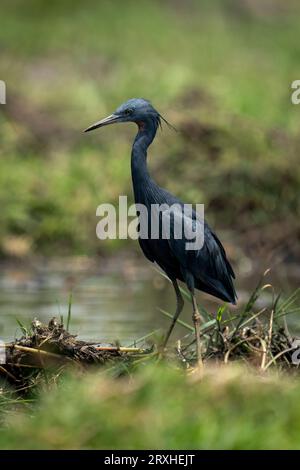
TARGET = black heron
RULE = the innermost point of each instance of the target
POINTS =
(207, 268)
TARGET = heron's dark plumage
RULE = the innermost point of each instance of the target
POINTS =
(207, 268)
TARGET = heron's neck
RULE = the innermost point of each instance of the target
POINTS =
(139, 170)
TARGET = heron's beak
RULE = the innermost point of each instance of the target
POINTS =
(104, 122)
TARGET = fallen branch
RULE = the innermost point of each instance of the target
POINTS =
(40, 352)
(120, 349)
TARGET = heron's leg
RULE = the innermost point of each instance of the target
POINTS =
(197, 322)
(190, 282)
(179, 307)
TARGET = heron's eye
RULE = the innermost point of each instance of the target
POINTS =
(128, 111)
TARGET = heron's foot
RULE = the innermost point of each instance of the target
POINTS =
(197, 318)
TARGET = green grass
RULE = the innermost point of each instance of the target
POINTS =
(161, 408)
(223, 66)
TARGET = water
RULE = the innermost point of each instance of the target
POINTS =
(112, 299)
(116, 302)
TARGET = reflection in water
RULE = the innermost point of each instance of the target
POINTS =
(116, 301)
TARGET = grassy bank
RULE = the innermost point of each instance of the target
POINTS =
(160, 407)
(220, 71)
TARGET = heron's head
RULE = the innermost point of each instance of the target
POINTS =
(135, 110)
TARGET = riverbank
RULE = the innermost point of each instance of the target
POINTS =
(58, 392)
(158, 407)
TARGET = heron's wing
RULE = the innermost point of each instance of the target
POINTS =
(208, 263)
(181, 230)
(221, 248)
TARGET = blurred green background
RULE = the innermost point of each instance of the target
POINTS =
(220, 71)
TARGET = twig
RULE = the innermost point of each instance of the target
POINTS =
(181, 355)
(26, 366)
(8, 373)
(39, 352)
(120, 349)
(245, 340)
(267, 345)
(264, 353)
(277, 356)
